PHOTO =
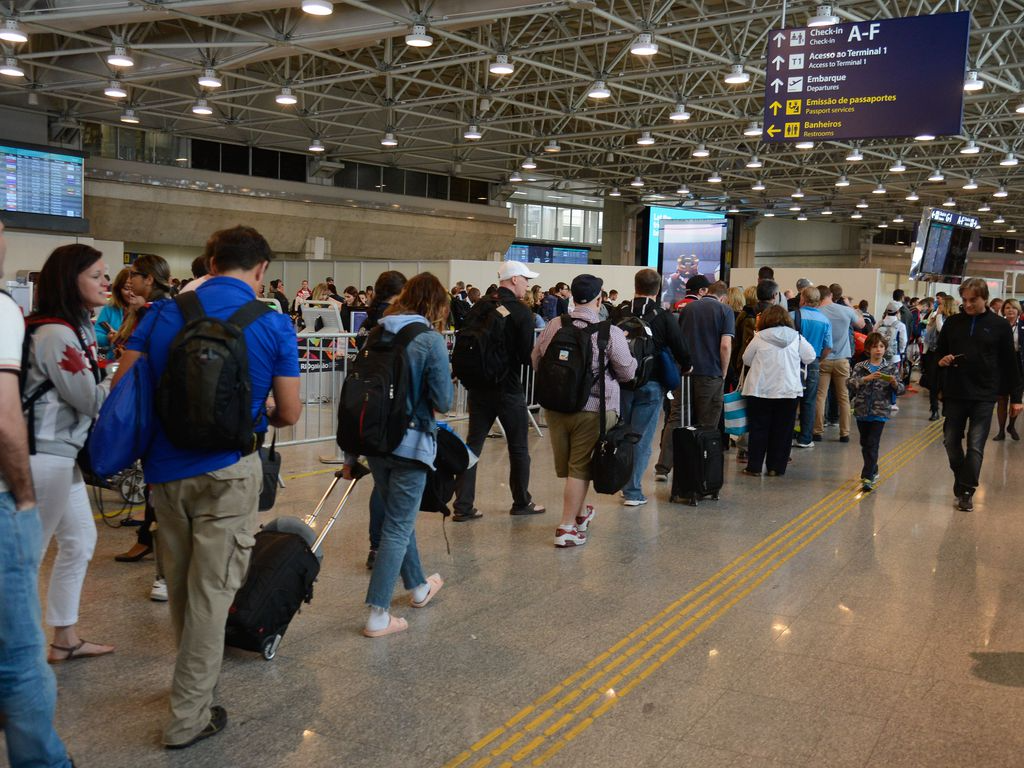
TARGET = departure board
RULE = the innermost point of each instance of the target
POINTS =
(41, 181)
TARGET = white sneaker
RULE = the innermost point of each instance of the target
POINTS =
(583, 521)
(158, 593)
(660, 478)
(797, 444)
(634, 502)
(569, 537)
(895, 408)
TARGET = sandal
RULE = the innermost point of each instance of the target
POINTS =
(395, 625)
(435, 582)
(73, 652)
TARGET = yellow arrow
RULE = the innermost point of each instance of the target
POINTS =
(772, 130)
(775, 107)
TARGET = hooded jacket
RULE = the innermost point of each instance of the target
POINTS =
(896, 332)
(774, 356)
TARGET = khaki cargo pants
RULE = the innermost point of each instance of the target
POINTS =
(207, 523)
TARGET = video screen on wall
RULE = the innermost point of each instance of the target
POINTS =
(944, 241)
(547, 254)
(682, 243)
(42, 180)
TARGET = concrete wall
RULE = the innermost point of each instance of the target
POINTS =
(29, 250)
(857, 283)
(786, 236)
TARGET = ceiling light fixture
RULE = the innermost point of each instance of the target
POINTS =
(856, 215)
(804, 144)
(998, 219)
(679, 113)
(418, 37)
(854, 155)
(753, 129)
(209, 79)
(715, 178)
(769, 214)
(515, 177)
(758, 185)
(11, 32)
(683, 190)
(802, 217)
(949, 202)
(754, 162)
(862, 203)
(701, 151)
(472, 133)
(925, 137)
(1020, 108)
(316, 146)
(736, 75)
(645, 139)
(552, 147)
(389, 140)
(202, 107)
(614, 192)
(879, 189)
(119, 57)
(286, 97)
(970, 148)
(115, 90)
(971, 183)
(1009, 160)
(883, 224)
(529, 163)
(733, 208)
(842, 181)
(912, 196)
(937, 175)
(823, 17)
(318, 7)
(10, 67)
(794, 207)
(501, 65)
(636, 182)
(129, 116)
(797, 193)
(826, 211)
(644, 45)
(1001, 192)
(984, 208)
(898, 218)
(972, 82)
(599, 90)
(898, 166)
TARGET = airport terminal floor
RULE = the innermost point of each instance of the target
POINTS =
(795, 622)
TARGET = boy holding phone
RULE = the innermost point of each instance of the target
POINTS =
(874, 385)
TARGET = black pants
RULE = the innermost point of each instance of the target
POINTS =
(510, 408)
(770, 433)
(975, 418)
(870, 439)
(145, 534)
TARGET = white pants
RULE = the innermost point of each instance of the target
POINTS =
(65, 512)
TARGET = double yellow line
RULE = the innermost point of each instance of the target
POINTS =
(551, 722)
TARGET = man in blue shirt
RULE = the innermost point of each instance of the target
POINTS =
(816, 328)
(206, 501)
(835, 368)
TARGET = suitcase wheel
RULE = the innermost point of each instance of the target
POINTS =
(270, 645)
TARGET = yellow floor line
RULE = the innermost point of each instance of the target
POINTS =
(757, 564)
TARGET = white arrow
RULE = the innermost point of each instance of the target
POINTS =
(779, 38)
(776, 84)
(778, 61)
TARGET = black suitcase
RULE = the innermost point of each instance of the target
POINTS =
(284, 564)
(698, 458)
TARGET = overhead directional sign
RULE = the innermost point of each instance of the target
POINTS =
(866, 80)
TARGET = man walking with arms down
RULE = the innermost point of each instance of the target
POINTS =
(28, 691)
(977, 364)
(206, 500)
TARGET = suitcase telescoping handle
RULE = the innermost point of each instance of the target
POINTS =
(685, 402)
(358, 471)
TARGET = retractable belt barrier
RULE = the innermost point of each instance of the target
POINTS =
(324, 360)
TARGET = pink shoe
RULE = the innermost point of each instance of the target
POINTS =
(395, 625)
(435, 583)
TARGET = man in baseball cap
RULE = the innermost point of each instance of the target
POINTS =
(510, 269)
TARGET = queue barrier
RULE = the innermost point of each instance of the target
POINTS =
(324, 360)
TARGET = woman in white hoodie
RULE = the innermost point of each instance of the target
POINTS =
(772, 389)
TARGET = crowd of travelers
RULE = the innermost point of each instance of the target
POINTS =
(607, 373)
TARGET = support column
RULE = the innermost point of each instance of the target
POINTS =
(618, 237)
(744, 255)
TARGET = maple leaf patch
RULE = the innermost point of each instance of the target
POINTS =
(73, 361)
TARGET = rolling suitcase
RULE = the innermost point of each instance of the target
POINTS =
(698, 463)
(284, 564)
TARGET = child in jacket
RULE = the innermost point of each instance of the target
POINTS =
(873, 386)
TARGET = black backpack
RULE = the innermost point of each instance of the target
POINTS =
(564, 375)
(611, 463)
(204, 398)
(480, 355)
(373, 414)
(641, 345)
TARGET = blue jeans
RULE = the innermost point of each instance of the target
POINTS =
(808, 403)
(401, 485)
(641, 408)
(376, 518)
(28, 689)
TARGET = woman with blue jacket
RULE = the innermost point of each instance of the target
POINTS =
(401, 477)
(113, 313)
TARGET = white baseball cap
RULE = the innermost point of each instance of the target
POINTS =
(510, 269)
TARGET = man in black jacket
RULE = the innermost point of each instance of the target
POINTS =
(642, 406)
(507, 401)
(975, 352)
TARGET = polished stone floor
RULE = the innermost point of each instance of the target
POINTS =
(795, 622)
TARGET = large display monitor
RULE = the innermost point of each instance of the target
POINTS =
(547, 254)
(944, 241)
(43, 187)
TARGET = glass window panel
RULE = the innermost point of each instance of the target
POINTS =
(346, 177)
(293, 166)
(234, 159)
(577, 225)
(416, 183)
(548, 218)
(394, 180)
(265, 162)
(160, 148)
(533, 217)
(205, 155)
(459, 190)
(369, 178)
(437, 186)
(600, 226)
(479, 192)
(131, 144)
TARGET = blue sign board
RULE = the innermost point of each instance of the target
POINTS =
(871, 79)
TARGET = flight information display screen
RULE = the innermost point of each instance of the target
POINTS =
(44, 181)
(547, 254)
